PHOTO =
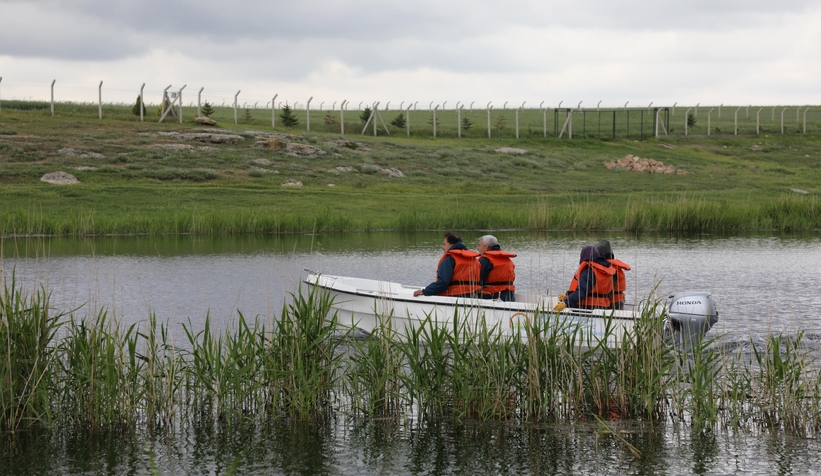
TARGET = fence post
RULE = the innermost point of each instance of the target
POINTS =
(708, 121)
(407, 119)
(1, 80)
(796, 113)
(489, 107)
(199, 102)
(747, 116)
(805, 119)
(308, 113)
(52, 96)
(687, 122)
(434, 120)
(517, 123)
(342, 116)
(444, 104)
(458, 121)
(235, 105)
(471, 105)
(656, 122)
(782, 119)
(757, 121)
(773, 118)
(142, 103)
(179, 98)
(273, 110)
(735, 122)
(544, 122)
(674, 107)
(100, 99)
(719, 110)
(697, 109)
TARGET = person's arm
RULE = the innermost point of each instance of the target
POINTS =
(587, 280)
(486, 267)
(444, 274)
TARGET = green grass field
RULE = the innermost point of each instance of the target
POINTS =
(132, 185)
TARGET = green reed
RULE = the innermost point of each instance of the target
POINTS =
(27, 357)
(88, 372)
(373, 375)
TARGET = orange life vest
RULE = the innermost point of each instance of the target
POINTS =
(602, 293)
(502, 275)
(465, 279)
(619, 280)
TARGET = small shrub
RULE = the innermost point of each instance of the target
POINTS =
(137, 106)
(399, 121)
(366, 114)
(330, 120)
(466, 124)
(248, 117)
(691, 119)
(207, 109)
(500, 122)
(288, 117)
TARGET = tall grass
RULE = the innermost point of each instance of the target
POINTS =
(682, 214)
(62, 371)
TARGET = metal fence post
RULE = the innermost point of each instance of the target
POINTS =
(782, 119)
(179, 98)
(735, 122)
(805, 119)
(757, 121)
(235, 105)
(273, 110)
(489, 107)
(142, 104)
(308, 114)
(434, 120)
(52, 96)
(199, 102)
(614, 123)
(100, 99)
(407, 119)
(1, 80)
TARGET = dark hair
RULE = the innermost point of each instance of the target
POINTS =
(453, 238)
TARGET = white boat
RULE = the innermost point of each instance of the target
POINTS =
(362, 303)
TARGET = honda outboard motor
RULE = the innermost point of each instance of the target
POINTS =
(691, 314)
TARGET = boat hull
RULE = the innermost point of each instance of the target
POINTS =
(367, 304)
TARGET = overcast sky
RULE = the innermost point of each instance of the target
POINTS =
(665, 51)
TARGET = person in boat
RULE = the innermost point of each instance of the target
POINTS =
(458, 271)
(619, 280)
(592, 285)
(497, 270)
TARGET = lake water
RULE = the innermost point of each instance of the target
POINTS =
(763, 284)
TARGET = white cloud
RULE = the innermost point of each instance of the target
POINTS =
(664, 51)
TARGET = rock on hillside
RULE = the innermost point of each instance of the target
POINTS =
(638, 164)
(59, 178)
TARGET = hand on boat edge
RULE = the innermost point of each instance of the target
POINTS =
(418, 292)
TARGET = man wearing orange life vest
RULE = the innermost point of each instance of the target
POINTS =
(457, 274)
(498, 271)
(592, 285)
(619, 280)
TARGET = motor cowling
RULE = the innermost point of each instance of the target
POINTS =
(691, 314)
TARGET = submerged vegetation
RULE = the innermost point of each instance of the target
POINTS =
(62, 372)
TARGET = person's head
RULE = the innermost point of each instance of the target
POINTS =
(450, 240)
(604, 249)
(589, 253)
(486, 242)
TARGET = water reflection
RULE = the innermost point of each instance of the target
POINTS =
(389, 447)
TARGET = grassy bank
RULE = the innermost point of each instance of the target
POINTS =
(65, 372)
(135, 180)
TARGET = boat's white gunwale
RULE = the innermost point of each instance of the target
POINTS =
(568, 312)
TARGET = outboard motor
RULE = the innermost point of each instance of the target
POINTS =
(691, 314)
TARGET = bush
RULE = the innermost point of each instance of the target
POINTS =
(691, 119)
(207, 109)
(366, 114)
(288, 117)
(399, 121)
(466, 124)
(137, 106)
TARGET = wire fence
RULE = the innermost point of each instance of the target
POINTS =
(460, 120)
